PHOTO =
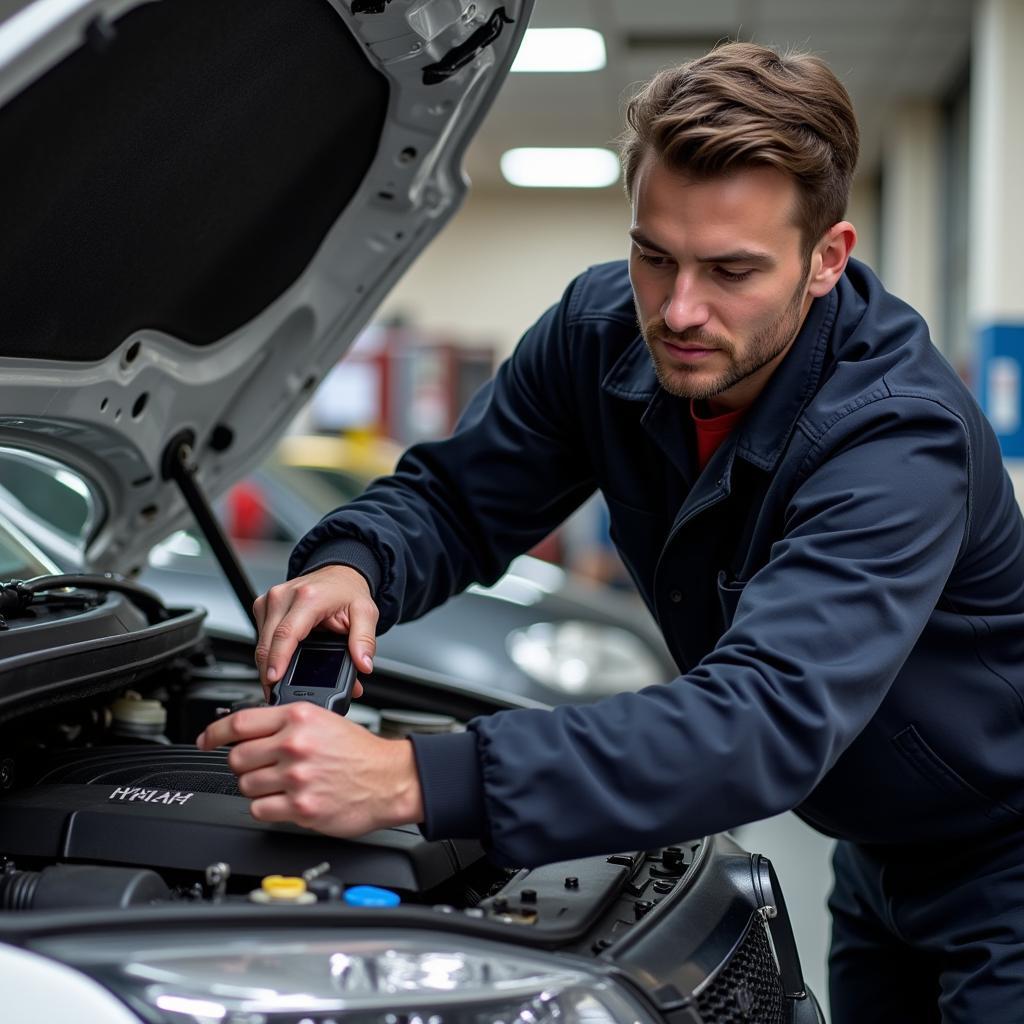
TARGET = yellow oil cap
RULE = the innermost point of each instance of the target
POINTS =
(283, 887)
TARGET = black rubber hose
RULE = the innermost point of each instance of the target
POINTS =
(146, 599)
(18, 889)
(62, 886)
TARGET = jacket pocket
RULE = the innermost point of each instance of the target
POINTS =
(911, 744)
(729, 593)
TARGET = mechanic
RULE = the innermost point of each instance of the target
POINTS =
(811, 504)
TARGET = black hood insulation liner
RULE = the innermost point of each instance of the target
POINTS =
(178, 172)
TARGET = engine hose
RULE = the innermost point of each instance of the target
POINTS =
(18, 889)
(63, 886)
(18, 594)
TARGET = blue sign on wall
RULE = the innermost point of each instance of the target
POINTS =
(1000, 380)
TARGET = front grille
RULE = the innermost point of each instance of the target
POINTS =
(747, 988)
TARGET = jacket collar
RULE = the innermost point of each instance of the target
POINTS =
(765, 430)
(632, 376)
(767, 427)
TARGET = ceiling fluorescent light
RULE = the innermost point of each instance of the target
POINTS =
(560, 49)
(560, 168)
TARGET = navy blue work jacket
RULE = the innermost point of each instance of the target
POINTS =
(842, 587)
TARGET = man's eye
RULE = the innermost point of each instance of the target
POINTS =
(733, 275)
(652, 259)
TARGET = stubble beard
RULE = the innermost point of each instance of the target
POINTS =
(766, 345)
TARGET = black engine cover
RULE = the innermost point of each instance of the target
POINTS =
(176, 807)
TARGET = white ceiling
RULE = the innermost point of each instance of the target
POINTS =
(885, 51)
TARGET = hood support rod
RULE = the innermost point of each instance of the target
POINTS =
(178, 466)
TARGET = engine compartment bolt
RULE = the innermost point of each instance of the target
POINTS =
(315, 872)
(217, 876)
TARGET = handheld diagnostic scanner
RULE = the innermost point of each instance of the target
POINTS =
(320, 672)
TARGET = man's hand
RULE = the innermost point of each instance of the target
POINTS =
(336, 597)
(301, 763)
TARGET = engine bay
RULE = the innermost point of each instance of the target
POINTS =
(106, 802)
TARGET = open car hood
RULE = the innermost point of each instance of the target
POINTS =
(203, 204)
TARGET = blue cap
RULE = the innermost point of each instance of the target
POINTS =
(371, 896)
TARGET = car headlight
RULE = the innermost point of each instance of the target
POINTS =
(365, 978)
(584, 658)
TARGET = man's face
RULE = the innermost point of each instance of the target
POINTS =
(719, 278)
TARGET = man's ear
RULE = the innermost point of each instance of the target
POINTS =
(830, 256)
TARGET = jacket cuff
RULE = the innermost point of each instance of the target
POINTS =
(342, 551)
(452, 784)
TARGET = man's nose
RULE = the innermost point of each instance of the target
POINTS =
(685, 307)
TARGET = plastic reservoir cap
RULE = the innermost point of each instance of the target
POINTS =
(283, 887)
(371, 896)
(133, 709)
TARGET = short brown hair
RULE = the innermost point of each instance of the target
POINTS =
(744, 105)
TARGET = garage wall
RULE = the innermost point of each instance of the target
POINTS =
(506, 257)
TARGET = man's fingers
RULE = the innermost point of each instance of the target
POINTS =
(303, 615)
(283, 807)
(272, 808)
(259, 611)
(334, 595)
(262, 783)
(254, 754)
(274, 605)
(248, 724)
(362, 635)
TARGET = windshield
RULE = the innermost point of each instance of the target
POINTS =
(41, 499)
